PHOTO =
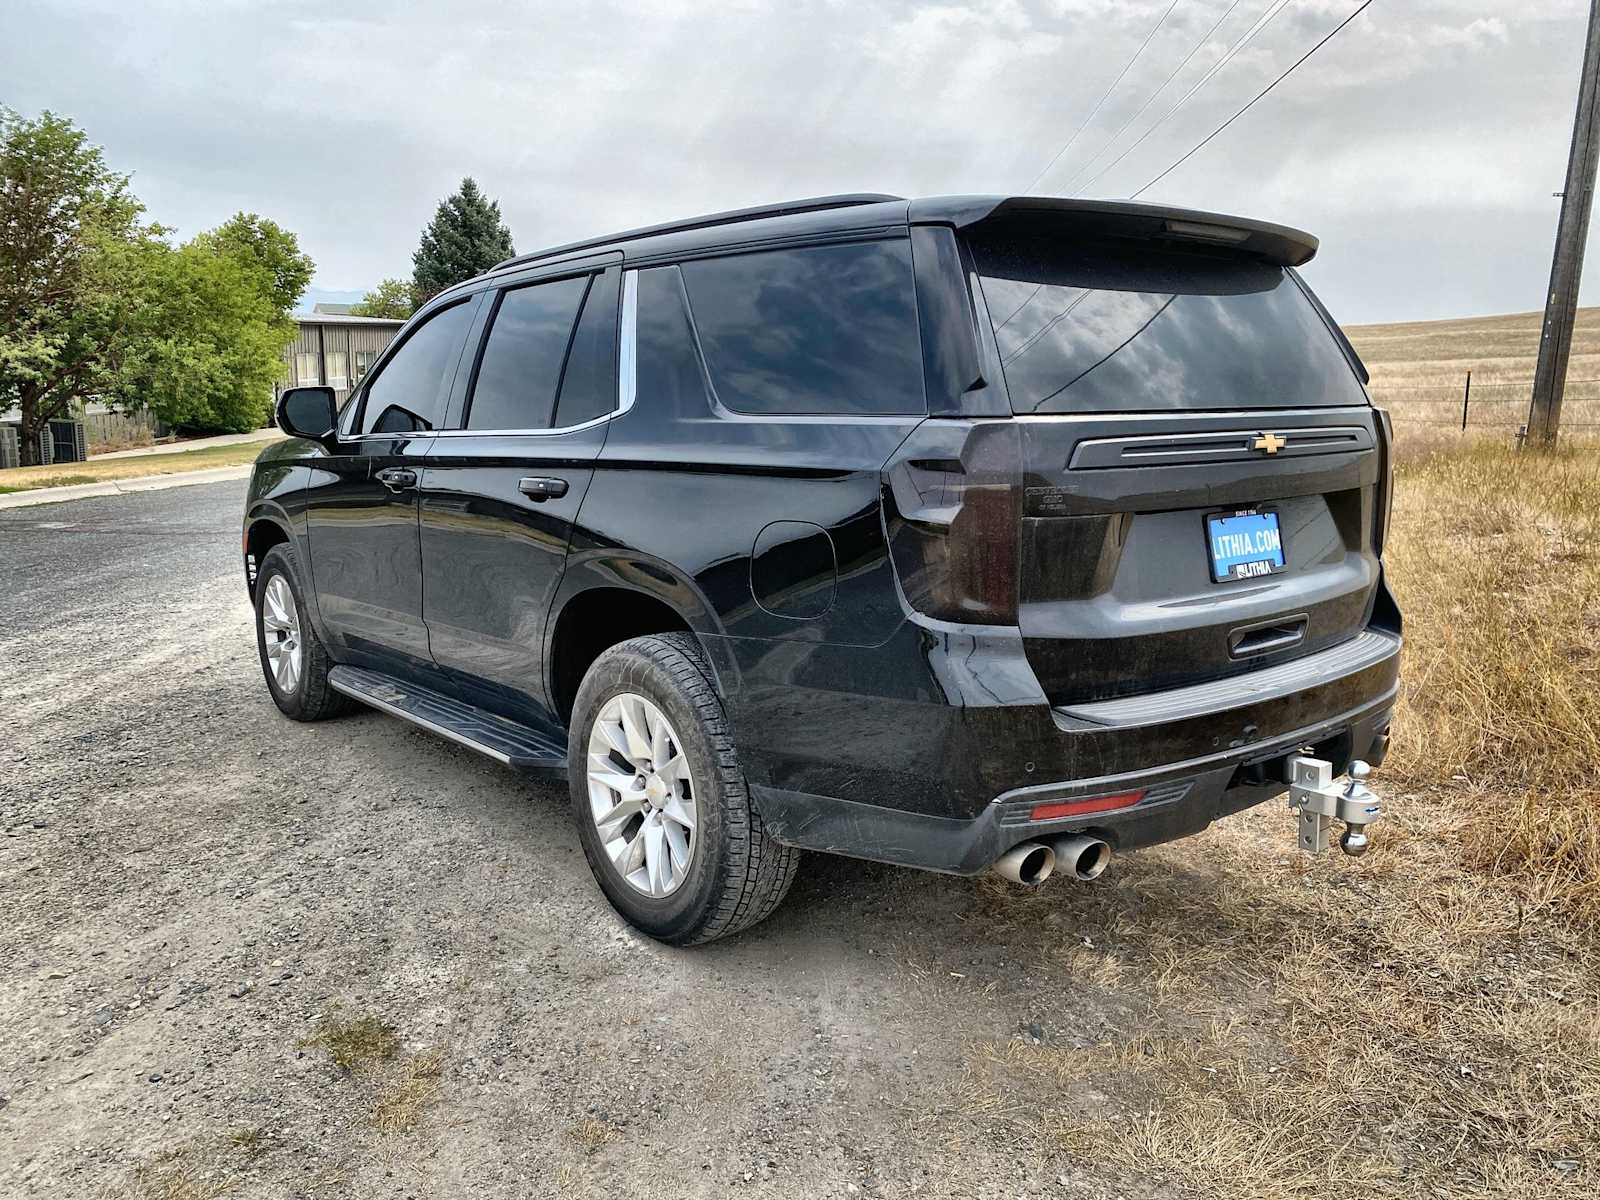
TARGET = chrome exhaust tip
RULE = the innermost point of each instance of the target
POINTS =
(1086, 857)
(1027, 863)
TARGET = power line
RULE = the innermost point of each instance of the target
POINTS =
(1148, 38)
(1154, 96)
(1328, 37)
(1266, 18)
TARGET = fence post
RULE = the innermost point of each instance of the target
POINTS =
(1466, 398)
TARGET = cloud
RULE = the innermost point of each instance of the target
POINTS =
(348, 123)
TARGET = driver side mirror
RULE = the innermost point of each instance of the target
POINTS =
(309, 412)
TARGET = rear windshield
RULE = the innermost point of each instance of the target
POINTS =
(1126, 327)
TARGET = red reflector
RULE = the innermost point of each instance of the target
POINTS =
(1076, 808)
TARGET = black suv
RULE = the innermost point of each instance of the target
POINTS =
(953, 533)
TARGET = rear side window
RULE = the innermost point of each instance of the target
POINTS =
(589, 383)
(409, 394)
(1088, 326)
(820, 329)
(521, 365)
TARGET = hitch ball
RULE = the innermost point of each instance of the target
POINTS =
(1318, 801)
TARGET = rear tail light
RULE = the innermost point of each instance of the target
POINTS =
(1385, 498)
(952, 508)
(1078, 808)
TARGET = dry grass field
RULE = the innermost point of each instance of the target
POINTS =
(1419, 371)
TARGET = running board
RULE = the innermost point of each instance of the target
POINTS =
(502, 740)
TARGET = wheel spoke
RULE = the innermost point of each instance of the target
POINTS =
(679, 812)
(633, 726)
(658, 869)
(673, 769)
(614, 736)
(611, 824)
(679, 845)
(605, 773)
(660, 741)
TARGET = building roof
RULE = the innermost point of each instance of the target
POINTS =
(323, 318)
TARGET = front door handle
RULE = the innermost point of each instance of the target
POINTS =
(539, 488)
(397, 479)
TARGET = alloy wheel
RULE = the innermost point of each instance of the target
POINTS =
(642, 795)
(280, 627)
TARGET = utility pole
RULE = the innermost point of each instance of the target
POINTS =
(1561, 304)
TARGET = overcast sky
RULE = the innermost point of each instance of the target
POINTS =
(1421, 145)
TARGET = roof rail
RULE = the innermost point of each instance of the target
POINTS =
(732, 217)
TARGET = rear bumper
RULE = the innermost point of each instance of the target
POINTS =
(972, 776)
(1180, 798)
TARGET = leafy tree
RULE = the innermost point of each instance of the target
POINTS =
(70, 237)
(271, 247)
(465, 238)
(211, 334)
(391, 298)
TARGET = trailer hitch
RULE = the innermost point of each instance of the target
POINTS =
(1318, 801)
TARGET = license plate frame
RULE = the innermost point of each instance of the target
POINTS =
(1245, 563)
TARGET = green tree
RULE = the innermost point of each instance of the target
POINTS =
(271, 247)
(211, 335)
(70, 241)
(465, 238)
(391, 298)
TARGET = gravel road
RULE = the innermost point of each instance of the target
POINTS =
(201, 902)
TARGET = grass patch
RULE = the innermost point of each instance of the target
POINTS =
(592, 1133)
(401, 1100)
(354, 1042)
(203, 1168)
(22, 479)
(1496, 563)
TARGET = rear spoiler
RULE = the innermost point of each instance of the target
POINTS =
(1119, 218)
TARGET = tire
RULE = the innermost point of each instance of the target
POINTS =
(735, 875)
(303, 694)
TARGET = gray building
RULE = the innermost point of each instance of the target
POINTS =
(336, 349)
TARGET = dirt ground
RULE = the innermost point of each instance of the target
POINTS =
(200, 898)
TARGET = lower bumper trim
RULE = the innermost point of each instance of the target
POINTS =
(1180, 799)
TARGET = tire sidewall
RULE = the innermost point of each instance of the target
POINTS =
(279, 562)
(678, 915)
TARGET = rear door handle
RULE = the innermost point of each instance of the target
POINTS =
(397, 479)
(540, 488)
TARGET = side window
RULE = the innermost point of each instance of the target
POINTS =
(521, 365)
(671, 383)
(589, 383)
(820, 329)
(408, 395)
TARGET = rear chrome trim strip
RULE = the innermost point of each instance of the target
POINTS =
(1221, 446)
(1365, 650)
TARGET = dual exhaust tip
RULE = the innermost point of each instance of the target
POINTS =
(1031, 863)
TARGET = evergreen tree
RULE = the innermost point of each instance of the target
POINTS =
(465, 238)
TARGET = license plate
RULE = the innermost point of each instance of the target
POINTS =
(1244, 544)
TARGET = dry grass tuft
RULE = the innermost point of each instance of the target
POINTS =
(401, 1100)
(354, 1042)
(203, 1168)
(593, 1133)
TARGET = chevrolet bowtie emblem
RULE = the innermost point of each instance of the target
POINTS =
(1270, 443)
